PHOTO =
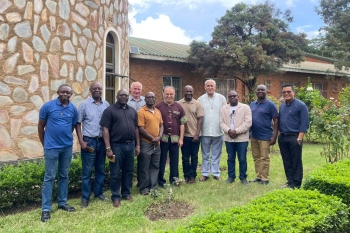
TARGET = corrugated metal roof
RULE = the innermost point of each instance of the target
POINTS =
(160, 48)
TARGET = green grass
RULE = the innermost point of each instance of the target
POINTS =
(209, 196)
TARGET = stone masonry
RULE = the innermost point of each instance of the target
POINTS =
(46, 43)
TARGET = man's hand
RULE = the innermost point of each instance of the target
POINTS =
(195, 138)
(109, 154)
(272, 141)
(83, 145)
(232, 133)
(180, 143)
(137, 150)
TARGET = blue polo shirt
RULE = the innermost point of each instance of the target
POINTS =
(59, 122)
(262, 114)
(294, 117)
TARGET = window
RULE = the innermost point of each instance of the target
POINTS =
(335, 87)
(223, 86)
(268, 84)
(322, 87)
(110, 69)
(176, 82)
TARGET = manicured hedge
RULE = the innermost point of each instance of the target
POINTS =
(331, 179)
(288, 211)
(22, 184)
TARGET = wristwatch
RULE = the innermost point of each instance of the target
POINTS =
(108, 149)
(299, 140)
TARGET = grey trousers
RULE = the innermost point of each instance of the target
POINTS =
(148, 161)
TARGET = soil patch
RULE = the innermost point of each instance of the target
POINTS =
(172, 210)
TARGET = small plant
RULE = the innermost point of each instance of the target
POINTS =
(154, 194)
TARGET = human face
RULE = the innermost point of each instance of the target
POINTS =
(233, 98)
(169, 95)
(136, 90)
(122, 97)
(261, 92)
(288, 93)
(96, 90)
(64, 93)
(188, 93)
(150, 99)
(210, 88)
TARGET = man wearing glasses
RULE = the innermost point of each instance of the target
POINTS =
(235, 121)
(293, 124)
(262, 134)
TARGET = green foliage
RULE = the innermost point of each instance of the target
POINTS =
(336, 15)
(22, 184)
(331, 179)
(249, 40)
(279, 211)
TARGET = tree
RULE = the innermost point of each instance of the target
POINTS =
(249, 40)
(336, 16)
(318, 46)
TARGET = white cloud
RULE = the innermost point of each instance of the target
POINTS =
(160, 28)
(309, 34)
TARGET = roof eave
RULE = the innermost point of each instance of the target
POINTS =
(314, 72)
(157, 58)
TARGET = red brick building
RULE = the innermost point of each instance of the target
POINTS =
(156, 64)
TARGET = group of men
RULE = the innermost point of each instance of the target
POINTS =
(137, 126)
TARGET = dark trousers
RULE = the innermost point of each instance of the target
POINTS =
(173, 149)
(291, 155)
(239, 148)
(189, 152)
(122, 170)
(148, 162)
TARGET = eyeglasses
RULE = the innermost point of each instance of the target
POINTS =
(286, 92)
(150, 97)
(232, 96)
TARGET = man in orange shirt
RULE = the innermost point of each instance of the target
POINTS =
(151, 128)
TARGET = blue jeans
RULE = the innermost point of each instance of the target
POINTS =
(189, 152)
(215, 144)
(62, 156)
(93, 160)
(122, 170)
(241, 149)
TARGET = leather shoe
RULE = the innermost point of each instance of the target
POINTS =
(217, 177)
(203, 178)
(45, 216)
(67, 208)
(245, 182)
(264, 182)
(145, 193)
(84, 203)
(116, 203)
(103, 198)
(128, 198)
(187, 180)
(192, 180)
(255, 180)
(229, 180)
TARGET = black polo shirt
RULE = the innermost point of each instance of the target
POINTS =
(121, 122)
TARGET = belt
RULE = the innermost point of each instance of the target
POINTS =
(289, 134)
(94, 138)
(125, 142)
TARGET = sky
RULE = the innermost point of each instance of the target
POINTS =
(182, 21)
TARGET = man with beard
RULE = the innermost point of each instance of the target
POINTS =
(151, 129)
(57, 119)
(93, 154)
(194, 113)
(121, 137)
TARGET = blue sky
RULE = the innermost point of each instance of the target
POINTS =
(181, 21)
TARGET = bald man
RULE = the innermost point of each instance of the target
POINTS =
(93, 149)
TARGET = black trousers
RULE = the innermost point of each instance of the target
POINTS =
(173, 149)
(291, 153)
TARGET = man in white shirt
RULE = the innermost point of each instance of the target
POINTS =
(212, 134)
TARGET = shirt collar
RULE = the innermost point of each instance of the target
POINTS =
(132, 98)
(58, 102)
(118, 105)
(184, 101)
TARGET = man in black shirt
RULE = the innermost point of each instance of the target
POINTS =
(121, 136)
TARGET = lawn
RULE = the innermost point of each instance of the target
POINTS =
(205, 197)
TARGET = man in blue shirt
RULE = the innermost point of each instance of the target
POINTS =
(57, 120)
(262, 134)
(293, 124)
(93, 154)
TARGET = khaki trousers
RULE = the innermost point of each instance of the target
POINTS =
(261, 157)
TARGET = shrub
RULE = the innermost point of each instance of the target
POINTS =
(331, 179)
(22, 184)
(279, 211)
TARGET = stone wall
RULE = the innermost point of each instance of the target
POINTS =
(43, 44)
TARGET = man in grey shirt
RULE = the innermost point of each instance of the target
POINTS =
(212, 134)
(93, 149)
(136, 101)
